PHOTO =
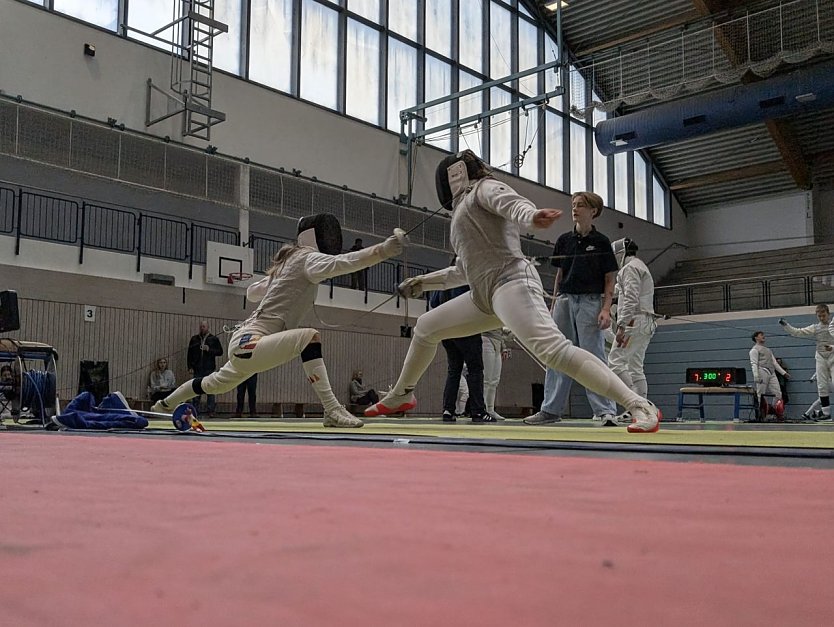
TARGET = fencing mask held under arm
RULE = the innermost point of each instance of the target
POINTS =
(623, 248)
(455, 174)
(322, 232)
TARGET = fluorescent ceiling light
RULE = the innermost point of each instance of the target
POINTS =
(552, 6)
(619, 142)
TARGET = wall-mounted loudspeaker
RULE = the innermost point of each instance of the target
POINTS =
(9, 316)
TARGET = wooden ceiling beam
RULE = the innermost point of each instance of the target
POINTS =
(745, 172)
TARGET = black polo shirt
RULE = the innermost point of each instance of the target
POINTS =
(584, 260)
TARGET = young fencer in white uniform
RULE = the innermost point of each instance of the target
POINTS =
(269, 337)
(823, 356)
(635, 318)
(505, 290)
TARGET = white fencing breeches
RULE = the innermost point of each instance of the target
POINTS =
(824, 367)
(768, 384)
(627, 361)
(248, 353)
(519, 306)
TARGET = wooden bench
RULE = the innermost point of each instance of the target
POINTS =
(735, 391)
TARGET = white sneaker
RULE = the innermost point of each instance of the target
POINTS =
(496, 415)
(159, 407)
(596, 420)
(608, 420)
(341, 417)
(646, 418)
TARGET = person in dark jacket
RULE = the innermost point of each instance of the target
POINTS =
(203, 351)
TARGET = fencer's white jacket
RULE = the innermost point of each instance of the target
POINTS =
(291, 293)
(636, 293)
(485, 235)
(763, 363)
(821, 334)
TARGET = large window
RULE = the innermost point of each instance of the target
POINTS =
(578, 158)
(528, 56)
(402, 18)
(99, 12)
(438, 84)
(641, 200)
(270, 43)
(659, 201)
(402, 81)
(439, 26)
(601, 176)
(500, 135)
(621, 182)
(470, 41)
(319, 54)
(554, 171)
(366, 8)
(500, 50)
(227, 45)
(528, 143)
(150, 15)
(362, 81)
(472, 136)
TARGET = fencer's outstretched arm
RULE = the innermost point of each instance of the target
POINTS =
(809, 331)
(502, 200)
(779, 368)
(321, 267)
(443, 279)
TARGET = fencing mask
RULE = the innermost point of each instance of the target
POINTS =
(322, 232)
(455, 175)
(623, 248)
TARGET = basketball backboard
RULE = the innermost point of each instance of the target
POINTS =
(223, 259)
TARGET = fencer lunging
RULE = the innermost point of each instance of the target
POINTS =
(505, 290)
(269, 337)
(823, 356)
(635, 316)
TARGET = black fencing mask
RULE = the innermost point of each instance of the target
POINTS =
(322, 232)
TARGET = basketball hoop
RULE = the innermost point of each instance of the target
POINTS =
(238, 277)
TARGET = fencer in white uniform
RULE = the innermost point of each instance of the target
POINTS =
(823, 355)
(764, 367)
(505, 290)
(635, 317)
(269, 337)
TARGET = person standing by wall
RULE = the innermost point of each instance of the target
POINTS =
(249, 386)
(203, 351)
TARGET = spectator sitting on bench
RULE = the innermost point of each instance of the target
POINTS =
(161, 381)
(359, 395)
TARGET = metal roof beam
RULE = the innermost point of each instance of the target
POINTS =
(680, 20)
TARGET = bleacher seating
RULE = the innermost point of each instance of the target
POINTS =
(749, 281)
(787, 261)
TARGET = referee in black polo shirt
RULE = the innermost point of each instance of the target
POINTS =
(583, 292)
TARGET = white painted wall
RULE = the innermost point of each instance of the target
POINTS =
(772, 224)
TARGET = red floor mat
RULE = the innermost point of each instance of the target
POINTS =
(129, 531)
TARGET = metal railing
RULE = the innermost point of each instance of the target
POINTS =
(743, 294)
(30, 215)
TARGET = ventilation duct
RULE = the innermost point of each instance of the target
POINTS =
(803, 91)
